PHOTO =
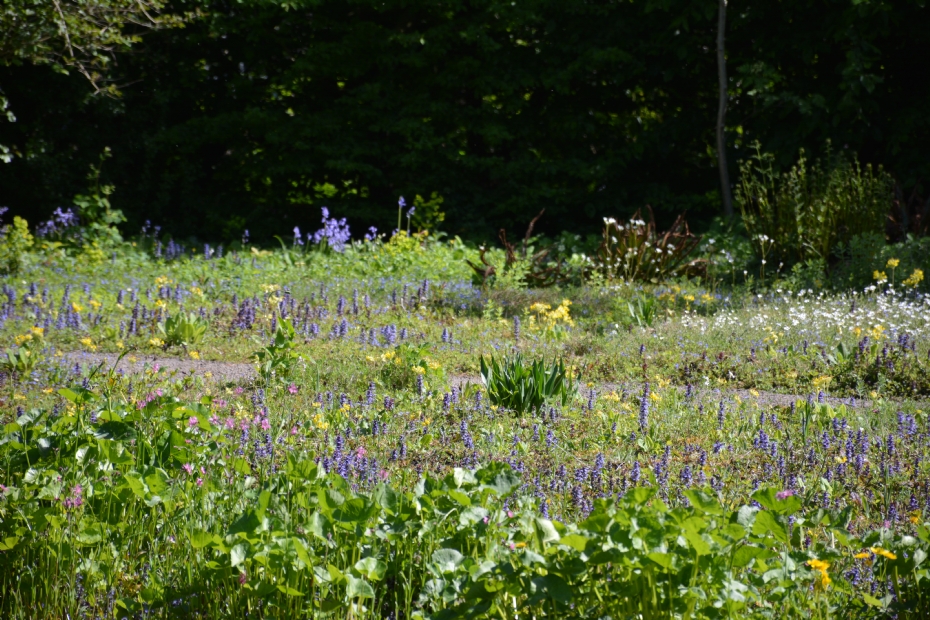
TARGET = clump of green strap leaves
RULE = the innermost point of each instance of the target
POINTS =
(520, 387)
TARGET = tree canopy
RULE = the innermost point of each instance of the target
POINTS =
(259, 112)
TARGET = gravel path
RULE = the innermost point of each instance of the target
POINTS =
(224, 372)
(219, 371)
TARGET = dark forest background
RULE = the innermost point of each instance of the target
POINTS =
(257, 113)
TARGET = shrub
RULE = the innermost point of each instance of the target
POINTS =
(635, 251)
(865, 254)
(514, 385)
(15, 241)
(805, 212)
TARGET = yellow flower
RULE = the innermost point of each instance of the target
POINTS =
(862, 556)
(892, 263)
(823, 579)
(822, 381)
(23, 338)
(818, 564)
(77, 307)
(194, 355)
(418, 370)
(119, 344)
(914, 279)
(156, 342)
(37, 331)
(95, 304)
(369, 358)
(87, 342)
(707, 298)
(883, 552)
(388, 355)
(689, 298)
(880, 276)
(754, 392)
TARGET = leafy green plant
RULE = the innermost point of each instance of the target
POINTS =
(805, 212)
(183, 329)
(635, 251)
(15, 241)
(405, 362)
(642, 311)
(276, 360)
(21, 359)
(522, 266)
(514, 385)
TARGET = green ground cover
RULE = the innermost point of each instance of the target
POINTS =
(717, 448)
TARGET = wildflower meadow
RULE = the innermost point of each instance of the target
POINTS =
(409, 426)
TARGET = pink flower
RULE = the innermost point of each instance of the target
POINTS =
(294, 430)
(510, 514)
(265, 424)
(384, 474)
(243, 578)
(512, 546)
(188, 468)
(230, 423)
(361, 451)
(199, 482)
(784, 494)
(192, 421)
(155, 368)
(292, 388)
(238, 391)
(486, 519)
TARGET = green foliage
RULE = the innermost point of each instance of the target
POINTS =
(293, 539)
(805, 212)
(867, 253)
(642, 311)
(520, 388)
(428, 213)
(636, 252)
(80, 35)
(460, 103)
(276, 360)
(183, 329)
(21, 359)
(15, 241)
(405, 362)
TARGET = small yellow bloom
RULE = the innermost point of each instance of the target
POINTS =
(77, 307)
(883, 552)
(914, 279)
(194, 355)
(892, 263)
(95, 304)
(156, 342)
(880, 276)
(862, 556)
(37, 331)
(818, 564)
(754, 392)
(87, 342)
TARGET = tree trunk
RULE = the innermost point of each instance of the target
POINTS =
(721, 114)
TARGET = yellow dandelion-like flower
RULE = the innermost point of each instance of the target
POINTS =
(914, 279)
(156, 342)
(883, 552)
(881, 276)
(194, 355)
(818, 564)
(862, 556)
(37, 331)
(892, 263)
